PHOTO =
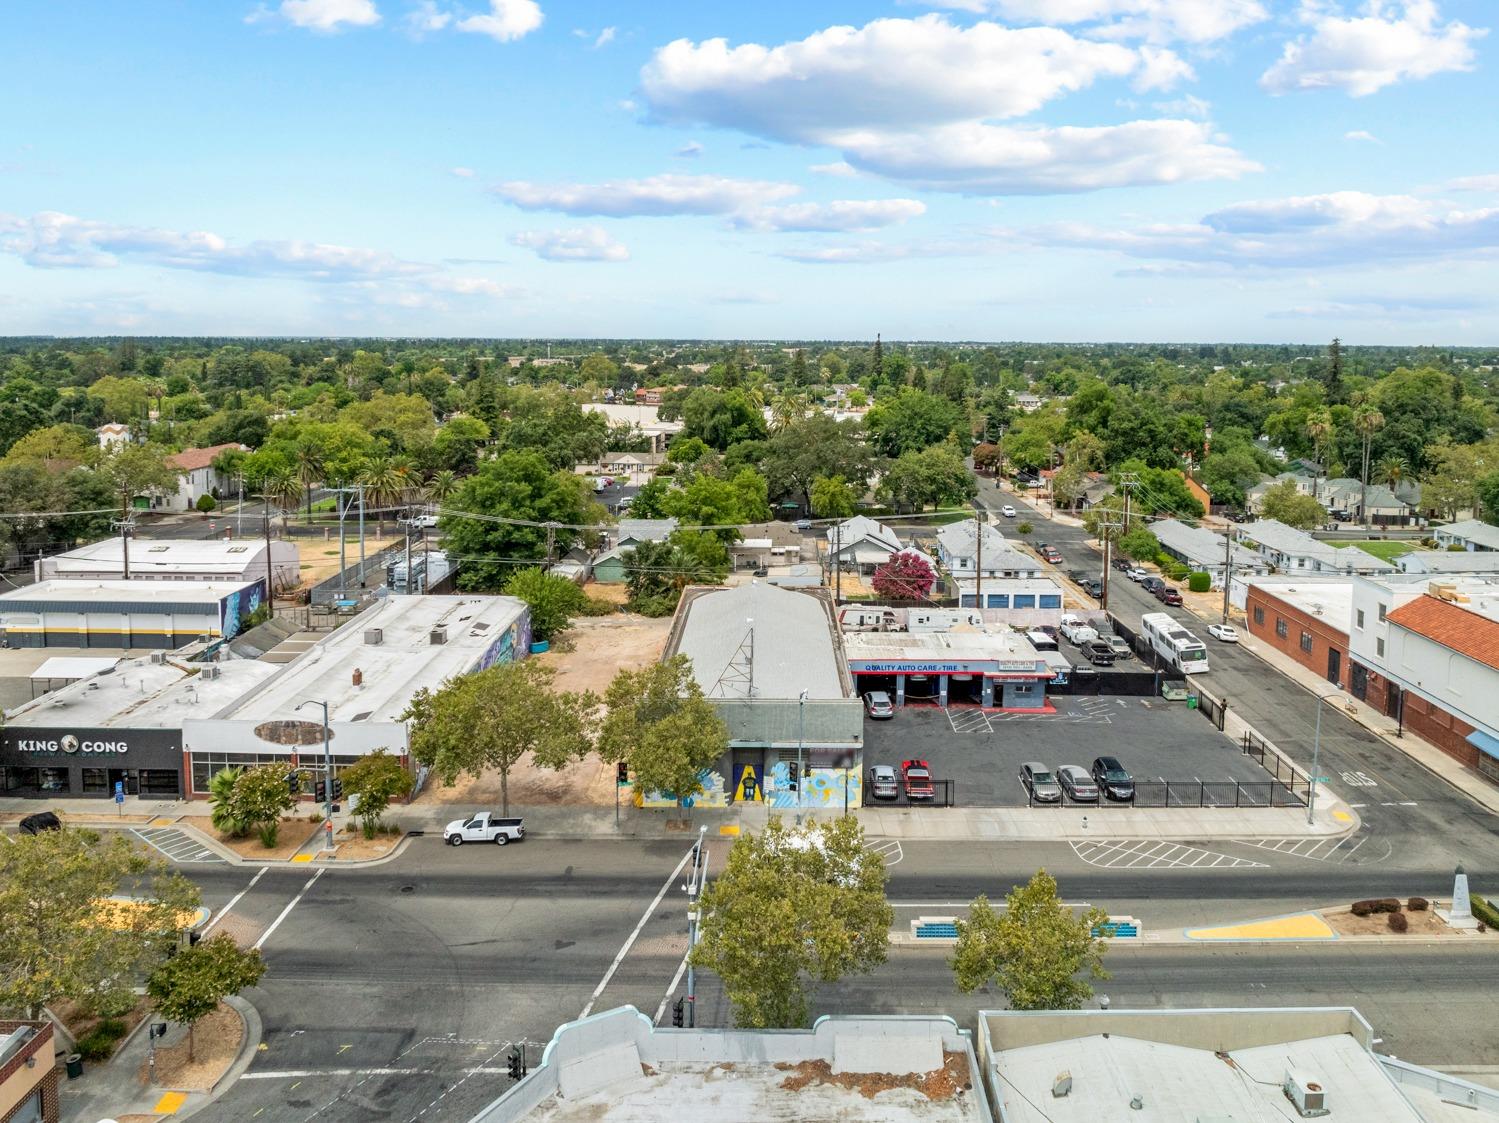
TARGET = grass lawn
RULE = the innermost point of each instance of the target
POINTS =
(1382, 549)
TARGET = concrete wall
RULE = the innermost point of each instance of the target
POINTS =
(1220, 1030)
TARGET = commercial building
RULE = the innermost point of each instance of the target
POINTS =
(1469, 534)
(158, 614)
(771, 660)
(961, 665)
(1016, 602)
(1305, 618)
(616, 1067)
(28, 1073)
(177, 559)
(642, 419)
(1295, 551)
(1196, 1066)
(162, 726)
(1205, 551)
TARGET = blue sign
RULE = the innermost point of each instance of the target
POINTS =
(119, 790)
(119, 797)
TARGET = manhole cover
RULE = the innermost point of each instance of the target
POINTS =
(408, 889)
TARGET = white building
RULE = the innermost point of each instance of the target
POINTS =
(960, 665)
(177, 559)
(1449, 561)
(1295, 551)
(112, 435)
(961, 547)
(644, 419)
(110, 613)
(1205, 551)
(861, 544)
(1470, 534)
(199, 477)
(1017, 602)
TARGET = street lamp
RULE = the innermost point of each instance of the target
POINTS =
(801, 737)
(1311, 792)
(694, 888)
(327, 773)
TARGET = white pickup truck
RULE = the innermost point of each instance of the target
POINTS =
(1077, 630)
(482, 826)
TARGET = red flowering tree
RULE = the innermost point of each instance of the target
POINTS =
(906, 576)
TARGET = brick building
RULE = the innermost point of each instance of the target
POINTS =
(1305, 619)
(28, 1073)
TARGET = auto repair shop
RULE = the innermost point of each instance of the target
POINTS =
(991, 669)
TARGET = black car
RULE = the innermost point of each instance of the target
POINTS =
(1122, 564)
(1112, 779)
(1151, 584)
(1099, 653)
(1095, 588)
(41, 821)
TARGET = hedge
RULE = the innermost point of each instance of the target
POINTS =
(1398, 922)
(1485, 911)
(1199, 582)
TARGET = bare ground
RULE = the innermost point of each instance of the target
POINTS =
(1423, 923)
(353, 846)
(216, 1041)
(318, 560)
(592, 651)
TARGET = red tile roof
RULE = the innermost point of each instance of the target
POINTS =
(1451, 625)
(191, 459)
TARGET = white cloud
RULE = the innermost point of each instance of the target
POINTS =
(1419, 308)
(463, 173)
(1362, 54)
(1362, 135)
(1188, 105)
(657, 195)
(879, 253)
(1343, 228)
(329, 15)
(426, 18)
(844, 215)
(839, 168)
(506, 20)
(1487, 183)
(1160, 21)
(923, 101)
(581, 243)
(604, 38)
(690, 150)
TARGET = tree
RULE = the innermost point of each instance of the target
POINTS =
(376, 778)
(907, 575)
(548, 421)
(221, 803)
(988, 458)
(492, 718)
(1366, 422)
(441, 485)
(57, 445)
(1487, 494)
(309, 461)
(1393, 469)
(913, 420)
(1319, 428)
(724, 504)
(1335, 371)
(191, 984)
(812, 448)
(657, 572)
(53, 942)
(1139, 544)
(137, 469)
(688, 451)
(1284, 503)
(283, 489)
(206, 503)
(552, 599)
(833, 497)
(721, 417)
(259, 798)
(794, 906)
(935, 476)
(661, 725)
(1034, 951)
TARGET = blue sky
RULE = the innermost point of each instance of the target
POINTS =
(1254, 170)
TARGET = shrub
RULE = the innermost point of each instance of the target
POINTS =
(598, 606)
(1398, 922)
(1418, 904)
(1023, 527)
(268, 833)
(1199, 582)
(1387, 904)
(1485, 911)
(99, 1043)
(1362, 908)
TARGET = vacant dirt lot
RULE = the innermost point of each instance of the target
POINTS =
(598, 647)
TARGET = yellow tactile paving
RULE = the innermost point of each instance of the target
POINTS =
(729, 829)
(1342, 816)
(1299, 926)
(169, 1103)
(162, 822)
(302, 858)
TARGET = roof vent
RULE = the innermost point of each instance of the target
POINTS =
(1305, 1094)
(1062, 1085)
(374, 637)
(1137, 1103)
(438, 637)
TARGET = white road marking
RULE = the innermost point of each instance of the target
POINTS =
(266, 935)
(223, 912)
(671, 988)
(629, 943)
(482, 1068)
(175, 844)
(890, 850)
(1132, 854)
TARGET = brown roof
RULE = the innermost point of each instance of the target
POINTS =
(1451, 625)
(191, 459)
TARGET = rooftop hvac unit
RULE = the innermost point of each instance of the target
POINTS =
(1305, 1094)
(374, 637)
(211, 672)
(158, 656)
(439, 636)
(1062, 1085)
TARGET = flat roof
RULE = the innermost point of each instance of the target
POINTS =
(1008, 584)
(1328, 600)
(74, 666)
(171, 551)
(962, 644)
(391, 671)
(112, 591)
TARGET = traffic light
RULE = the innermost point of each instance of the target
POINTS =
(338, 788)
(320, 791)
(678, 1013)
(517, 1064)
(292, 783)
(793, 781)
(621, 773)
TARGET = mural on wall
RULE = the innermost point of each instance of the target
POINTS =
(237, 607)
(713, 794)
(515, 638)
(824, 787)
(748, 786)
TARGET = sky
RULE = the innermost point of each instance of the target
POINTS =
(1061, 170)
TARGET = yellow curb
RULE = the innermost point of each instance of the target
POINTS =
(302, 858)
(162, 822)
(1342, 816)
(169, 1103)
(729, 829)
(1301, 926)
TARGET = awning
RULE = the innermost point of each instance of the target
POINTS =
(1484, 743)
(72, 667)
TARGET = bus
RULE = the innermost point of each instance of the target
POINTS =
(1176, 646)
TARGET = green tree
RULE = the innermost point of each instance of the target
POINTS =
(440, 486)
(913, 420)
(282, 490)
(122, 399)
(206, 503)
(376, 778)
(661, 725)
(933, 477)
(552, 599)
(309, 461)
(1487, 494)
(1140, 544)
(833, 497)
(722, 417)
(55, 445)
(494, 717)
(190, 985)
(712, 502)
(812, 448)
(657, 572)
(259, 798)
(1285, 503)
(795, 906)
(688, 451)
(598, 367)
(53, 943)
(548, 421)
(1035, 951)
(138, 469)
(221, 803)
(1366, 422)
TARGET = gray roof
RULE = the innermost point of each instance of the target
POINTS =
(793, 647)
(960, 539)
(1472, 530)
(859, 528)
(1276, 535)
(1202, 547)
(1346, 490)
(1449, 561)
(646, 530)
(779, 534)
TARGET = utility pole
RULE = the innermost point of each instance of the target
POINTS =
(124, 524)
(978, 562)
(270, 573)
(360, 488)
(327, 773)
(1228, 568)
(239, 514)
(551, 543)
(801, 737)
(837, 570)
(406, 522)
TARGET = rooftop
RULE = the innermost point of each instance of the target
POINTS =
(141, 694)
(1449, 561)
(166, 555)
(794, 645)
(1331, 600)
(960, 644)
(1202, 547)
(1276, 535)
(1472, 530)
(769, 534)
(646, 530)
(1469, 628)
(643, 417)
(190, 459)
(392, 671)
(851, 531)
(960, 539)
(107, 590)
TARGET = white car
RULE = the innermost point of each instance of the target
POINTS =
(1007, 511)
(1225, 632)
(1136, 574)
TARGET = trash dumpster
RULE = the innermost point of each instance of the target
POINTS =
(74, 1061)
(1191, 701)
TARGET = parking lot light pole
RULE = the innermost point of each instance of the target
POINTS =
(801, 737)
(1311, 792)
(327, 773)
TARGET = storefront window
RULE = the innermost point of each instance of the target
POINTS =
(159, 781)
(96, 780)
(53, 780)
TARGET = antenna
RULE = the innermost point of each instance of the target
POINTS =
(741, 668)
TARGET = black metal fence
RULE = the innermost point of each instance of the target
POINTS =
(1215, 710)
(944, 794)
(1270, 759)
(1198, 793)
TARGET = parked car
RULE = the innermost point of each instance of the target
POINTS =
(1124, 565)
(1225, 632)
(1099, 653)
(918, 778)
(1047, 629)
(1007, 511)
(882, 783)
(1136, 574)
(1094, 588)
(803, 524)
(41, 821)
(1039, 783)
(1076, 630)
(1150, 584)
(877, 704)
(1119, 646)
(1112, 779)
(1051, 554)
(1167, 595)
(1078, 785)
(483, 826)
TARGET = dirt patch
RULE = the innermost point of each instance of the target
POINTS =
(318, 560)
(354, 847)
(216, 1042)
(1422, 924)
(81, 1024)
(941, 1084)
(293, 836)
(615, 592)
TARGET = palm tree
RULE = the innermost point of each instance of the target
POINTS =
(310, 469)
(1319, 429)
(284, 490)
(220, 788)
(384, 482)
(1393, 469)
(441, 486)
(1367, 421)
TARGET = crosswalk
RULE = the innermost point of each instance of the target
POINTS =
(1136, 854)
(177, 845)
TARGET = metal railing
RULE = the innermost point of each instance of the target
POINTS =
(1196, 793)
(944, 794)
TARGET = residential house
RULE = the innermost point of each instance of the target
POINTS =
(1449, 561)
(1205, 551)
(113, 436)
(1096, 492)
(1295, 551)
(609, 567)
(1472, 535)
(861, 544)
(632, 532)
(1305, 485)
(199, 477)
(1028, 402)
(1377, 504)
(636, 468)
(763, 545)
(963, 550)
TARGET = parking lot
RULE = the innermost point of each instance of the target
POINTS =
(981, 753)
